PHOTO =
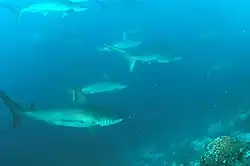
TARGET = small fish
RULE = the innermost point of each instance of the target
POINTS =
(45, 8)
(79, 116)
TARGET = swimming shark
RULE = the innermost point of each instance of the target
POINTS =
(106, 86)
(101, 87)
(149, 58)
(84, 115)
(125, 43)
(45, 8)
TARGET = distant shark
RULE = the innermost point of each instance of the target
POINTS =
(106, 86)
(84, 115)
(45, 8)
(100, 87)
(125, 43)
(150, 58)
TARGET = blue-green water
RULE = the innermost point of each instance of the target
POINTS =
(171, 104)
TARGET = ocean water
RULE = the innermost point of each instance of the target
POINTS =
(205, 94)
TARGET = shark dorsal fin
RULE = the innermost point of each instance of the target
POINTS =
(79, 97)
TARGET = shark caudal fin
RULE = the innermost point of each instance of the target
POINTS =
(125, 54)
(14, 9)
(79, 97)
(13, 107)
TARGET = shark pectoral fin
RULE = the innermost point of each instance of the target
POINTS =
(79, 96)
(13, 107)
(15, 119)
(71, 93)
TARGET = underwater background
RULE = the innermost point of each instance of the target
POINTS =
(172, 104)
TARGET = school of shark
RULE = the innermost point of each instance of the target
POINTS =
(82, 113)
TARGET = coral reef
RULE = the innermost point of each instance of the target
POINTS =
(224, 151)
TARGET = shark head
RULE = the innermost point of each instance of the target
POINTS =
(100, 116)
(107, 121)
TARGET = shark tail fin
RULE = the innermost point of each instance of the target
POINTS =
(18, 16)
(14, 9)
(13, 106)
(79, 97)
(125, 54)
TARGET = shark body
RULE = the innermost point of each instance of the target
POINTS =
(45, 8)
(150, 58)
(103, 87)
(98, 88)
(79, 116)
